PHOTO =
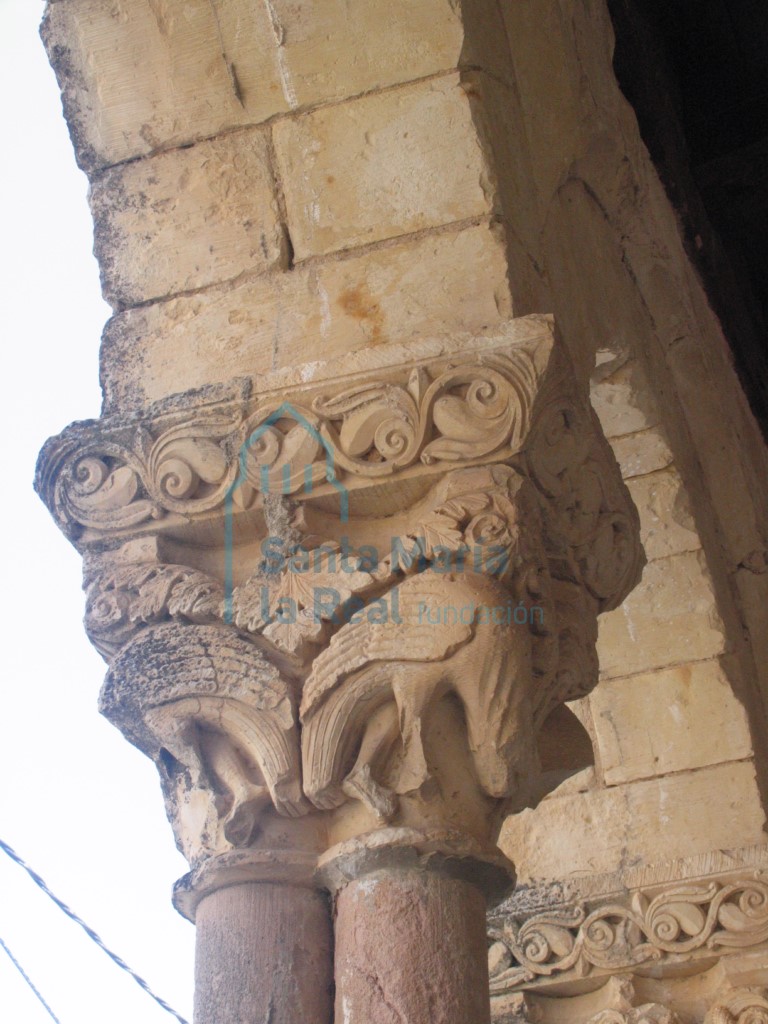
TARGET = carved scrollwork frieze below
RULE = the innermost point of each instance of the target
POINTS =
(684, 921)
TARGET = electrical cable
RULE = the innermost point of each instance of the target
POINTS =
(39, 882)
(28, 980)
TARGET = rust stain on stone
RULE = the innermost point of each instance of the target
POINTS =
(358, 303)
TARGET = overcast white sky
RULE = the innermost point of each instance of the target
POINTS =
(76, 799)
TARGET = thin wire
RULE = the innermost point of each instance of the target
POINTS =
(28, 980)
(9, 850)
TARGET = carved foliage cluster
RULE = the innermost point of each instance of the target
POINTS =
(650, 1013)
(681, 921)
(122, 600)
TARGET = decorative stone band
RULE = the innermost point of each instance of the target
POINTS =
(682, 922)
(323, 429)
(709, 997)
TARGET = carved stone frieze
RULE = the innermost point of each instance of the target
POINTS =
(680, 922)
(682, 996)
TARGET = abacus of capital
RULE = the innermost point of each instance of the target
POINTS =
(343, 606)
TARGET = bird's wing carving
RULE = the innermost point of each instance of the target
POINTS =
(413, 638)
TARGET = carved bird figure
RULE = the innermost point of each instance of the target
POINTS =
(215, 716)
(376, 683)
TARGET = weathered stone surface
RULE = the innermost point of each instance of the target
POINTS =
(727, 466)
(666, 520)
(447, 282)
(183, 220)
(252, 961)
(670, 617)
(383, 44)
(139, 75)
(645, 822)
(623, 401)
(590, 234)
(674, 720)
(397, 726)
(382, 166)
(411, 946)
(644, 452)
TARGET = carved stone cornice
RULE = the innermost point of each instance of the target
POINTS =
(441, 407)
(681, 922)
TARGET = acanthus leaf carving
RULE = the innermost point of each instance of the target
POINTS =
(123, 599)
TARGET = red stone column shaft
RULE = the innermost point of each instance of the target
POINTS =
(411, 948)
(264, 953)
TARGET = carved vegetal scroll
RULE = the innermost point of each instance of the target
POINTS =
(218, 720)
(739, 1006)
(689, 921)
(116, 478)
(440, 412)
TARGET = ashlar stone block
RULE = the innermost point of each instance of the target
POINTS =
(643, 452)
(142, 75)
(139, 75)
(670, 617)
(666, 521)
(381, 166)
(678, 719)
(334, 49)
(648, 822)
(186, 219)
(444, 283)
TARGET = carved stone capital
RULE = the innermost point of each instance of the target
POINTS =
(219, 721)
(346, 600)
